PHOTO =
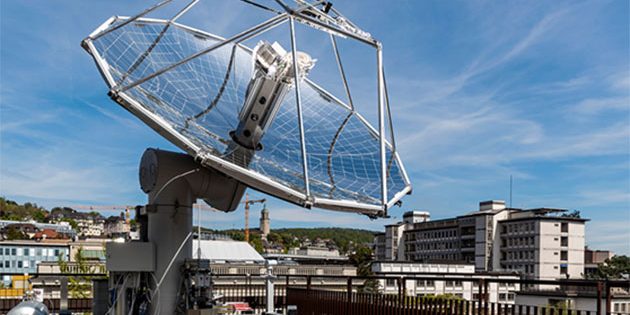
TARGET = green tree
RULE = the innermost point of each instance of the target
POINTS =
(256, 242)
(615, 267)
(572, 214)
(72, 223)
(15, 234)
(362, 259)
(78, 286)
(11, 210)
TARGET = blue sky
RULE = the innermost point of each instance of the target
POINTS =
(480, 90)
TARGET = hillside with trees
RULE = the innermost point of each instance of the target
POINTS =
(343, 239)
(11, 210)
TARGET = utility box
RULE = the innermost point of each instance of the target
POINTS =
(130, 257)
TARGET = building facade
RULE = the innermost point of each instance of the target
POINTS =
(61, 227)
(583, 300)
(24, 256)
(116, 226)
(387, 245)
(537, 243)
(592, 259)
(434, 283)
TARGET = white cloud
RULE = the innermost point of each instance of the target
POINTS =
(609, 234)
(596, 105)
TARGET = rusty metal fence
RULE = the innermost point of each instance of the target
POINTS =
(347, 295)
(320, 302)
(311, 300)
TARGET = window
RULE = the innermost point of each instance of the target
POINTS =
(564, 255)
(430, 283)
(38, 252)
(564, 227)
(563, 269)
(564, 241)
(26, 252)
(390, 282)
(13, 251)
(7, 264)
(502, 297)
(19, 264)
(7, 251)
(1, 264)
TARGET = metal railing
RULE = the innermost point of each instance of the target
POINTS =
(59, 292)
(374, 295)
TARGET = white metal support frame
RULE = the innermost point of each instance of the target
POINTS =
(256, 30)
(298, 101)
(98, 34)
(381, 124)
(342, 72)
(249, 177)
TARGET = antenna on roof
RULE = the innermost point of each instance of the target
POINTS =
(510, 191)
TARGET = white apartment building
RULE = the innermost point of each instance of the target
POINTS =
(386, 245)
(538, 243)
(541, 246)
(434, 282)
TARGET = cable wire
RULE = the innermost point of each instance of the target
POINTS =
(174, 179)
(168, 267)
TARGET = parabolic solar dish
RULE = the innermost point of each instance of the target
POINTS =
(196, 104)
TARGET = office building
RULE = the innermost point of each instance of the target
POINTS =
(538, 243)
(434, 284)
(24, 256)
(593, 258)
(386, 245)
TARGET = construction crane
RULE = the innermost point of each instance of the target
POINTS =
(198, 206)
(248, 202)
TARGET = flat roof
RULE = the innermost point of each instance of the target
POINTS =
(35, 243)
(228, 251)
(545, 218)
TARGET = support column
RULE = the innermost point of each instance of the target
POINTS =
(173, 182)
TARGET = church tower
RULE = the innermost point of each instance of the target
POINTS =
(264, 222)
